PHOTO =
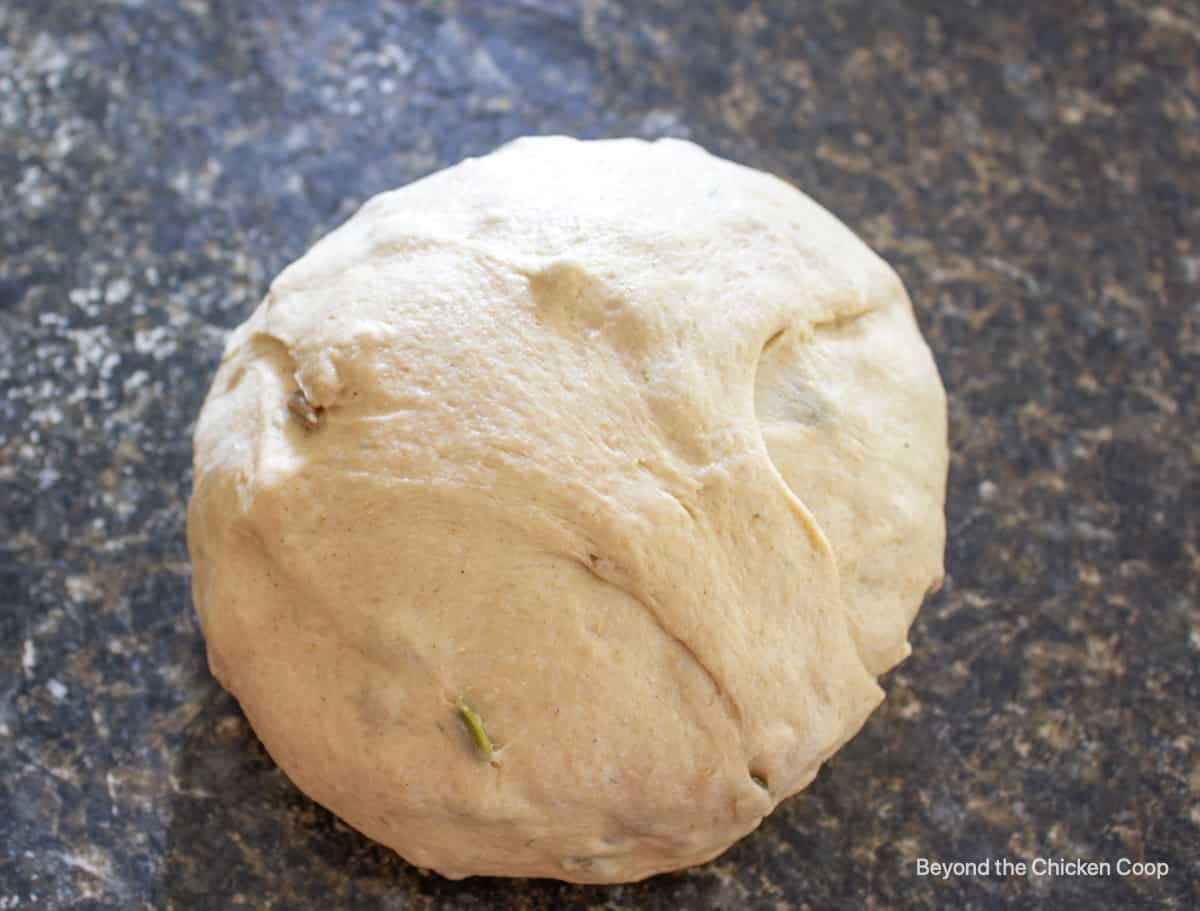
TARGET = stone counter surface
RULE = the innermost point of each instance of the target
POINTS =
(1031, 169)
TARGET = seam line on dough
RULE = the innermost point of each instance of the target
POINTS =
(835, 323)
(731, 707)
(815, 533)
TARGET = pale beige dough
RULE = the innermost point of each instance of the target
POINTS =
(636, 451)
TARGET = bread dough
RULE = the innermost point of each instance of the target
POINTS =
(633, 452)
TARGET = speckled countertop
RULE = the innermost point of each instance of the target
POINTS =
(1033, 171)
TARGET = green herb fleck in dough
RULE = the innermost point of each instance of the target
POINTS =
(475, 728)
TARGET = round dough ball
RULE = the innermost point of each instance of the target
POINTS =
(555, 515)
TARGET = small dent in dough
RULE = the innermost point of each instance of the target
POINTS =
(582, 304)
(784, 392)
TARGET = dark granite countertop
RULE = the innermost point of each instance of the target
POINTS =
(1032, 170)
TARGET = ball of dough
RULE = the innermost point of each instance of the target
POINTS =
(555, 515)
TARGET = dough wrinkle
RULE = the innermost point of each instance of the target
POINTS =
(260, 349)
(841, 321)
(723, 694)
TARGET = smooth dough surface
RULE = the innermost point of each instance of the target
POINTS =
(636, 451)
